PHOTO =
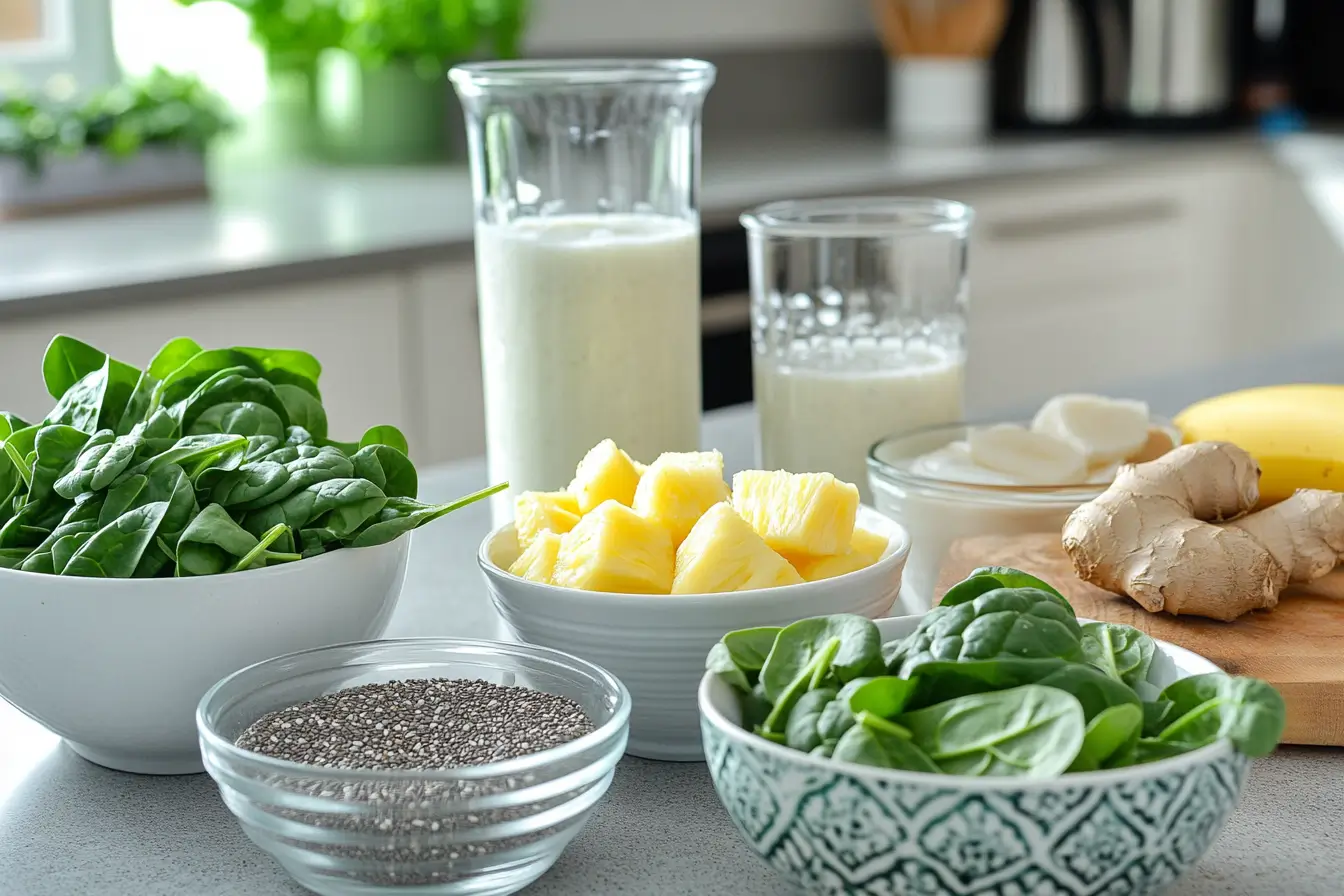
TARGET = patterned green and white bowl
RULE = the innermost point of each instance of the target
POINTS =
(836, 827)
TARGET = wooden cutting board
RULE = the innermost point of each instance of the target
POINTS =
(1298, 647)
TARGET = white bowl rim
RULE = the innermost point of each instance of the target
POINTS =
(515, 766)
(892, 557)
(27, 578)
(1101, 778)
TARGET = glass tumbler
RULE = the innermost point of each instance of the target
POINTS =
(586, 177)
(858, 326)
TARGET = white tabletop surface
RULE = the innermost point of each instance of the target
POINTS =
(70, 828)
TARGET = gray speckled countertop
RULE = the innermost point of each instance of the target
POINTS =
(70, 828)
(266, 226)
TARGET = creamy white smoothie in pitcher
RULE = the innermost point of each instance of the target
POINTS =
(585, 175)
(590, 329)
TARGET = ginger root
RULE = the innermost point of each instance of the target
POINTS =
(1173, 534)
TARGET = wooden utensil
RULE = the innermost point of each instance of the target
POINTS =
(946, 28)
(1298, 647)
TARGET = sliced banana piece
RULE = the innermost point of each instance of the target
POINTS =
(1106, 430)
(1033, 458)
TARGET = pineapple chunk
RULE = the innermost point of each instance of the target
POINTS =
(798, 513)
(536, 512)
(679, 488)
(537, 563)
(605, 474)
(615, 549)
(864, 550)
(723, 553)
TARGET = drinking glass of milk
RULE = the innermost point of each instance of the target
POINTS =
(586, 177)
(858, 326)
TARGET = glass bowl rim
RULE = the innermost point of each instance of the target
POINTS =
(1044, 494)
(474, 78)
(885, 216)
(519, 765)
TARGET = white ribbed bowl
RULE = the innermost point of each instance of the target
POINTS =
(656, 644)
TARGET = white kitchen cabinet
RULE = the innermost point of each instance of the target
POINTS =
(444, 338)
(356, 328)
(1087, 280)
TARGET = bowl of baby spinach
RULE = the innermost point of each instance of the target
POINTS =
(163, 527)
(995, 744)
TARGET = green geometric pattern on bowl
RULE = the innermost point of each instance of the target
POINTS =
(833, 832)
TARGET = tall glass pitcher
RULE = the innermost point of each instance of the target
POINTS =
(586, 177)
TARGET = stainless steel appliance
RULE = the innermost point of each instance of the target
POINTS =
(1165, 59)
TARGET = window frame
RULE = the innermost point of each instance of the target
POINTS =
(76, 40)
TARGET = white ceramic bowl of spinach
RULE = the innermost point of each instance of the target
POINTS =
(656, 643)
(120, 510)
(963, 772)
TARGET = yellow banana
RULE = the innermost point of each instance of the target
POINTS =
(1295, 433)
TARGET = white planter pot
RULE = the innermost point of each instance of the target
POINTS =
(95, 179)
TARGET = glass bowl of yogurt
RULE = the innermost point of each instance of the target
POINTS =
(928, 481)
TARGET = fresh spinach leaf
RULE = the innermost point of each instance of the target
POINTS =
(243, 418)
(1156, 715)
(738, 656)
(867, 744)
(401, 515)
(988, 578)
(57, 449)
(1209, 707)
(388, 468)
(1006, 622)
(813, 652)
(197, 453)
(138, 406)
(755, 708)
(1121, 651)
(98, 399)
(174, 354)
(11, 423)
(385, 435)
(102, 459)
(211, 543)
(115, 550)
(66, 362)
(944, 680)
(854, 644)
(1110, 734)
(13, 558)
(1151, 749)
(800, 731)
(303, 410)
(231, 387)
(884, 696)
(1094, 690)
(1029, 731)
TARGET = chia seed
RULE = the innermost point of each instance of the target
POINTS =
(421, 832)
(418, 724)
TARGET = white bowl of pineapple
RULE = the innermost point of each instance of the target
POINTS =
(642, 569)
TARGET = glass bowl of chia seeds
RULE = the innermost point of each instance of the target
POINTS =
(424, 765)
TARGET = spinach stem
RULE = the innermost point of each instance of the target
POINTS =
(800, 685)
(823, 663)
(260, 550)
(875, 722)
(25, 472)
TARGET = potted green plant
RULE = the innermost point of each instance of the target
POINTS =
(384, 97)
(293, 35)
(137, 140)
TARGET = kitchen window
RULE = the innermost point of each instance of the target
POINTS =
(40, 39)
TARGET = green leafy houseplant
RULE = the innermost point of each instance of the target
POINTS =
(383, 98)
(207, 461)
(998, 680)
(162, 109)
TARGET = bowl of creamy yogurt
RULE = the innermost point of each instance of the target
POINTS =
(943, 483)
